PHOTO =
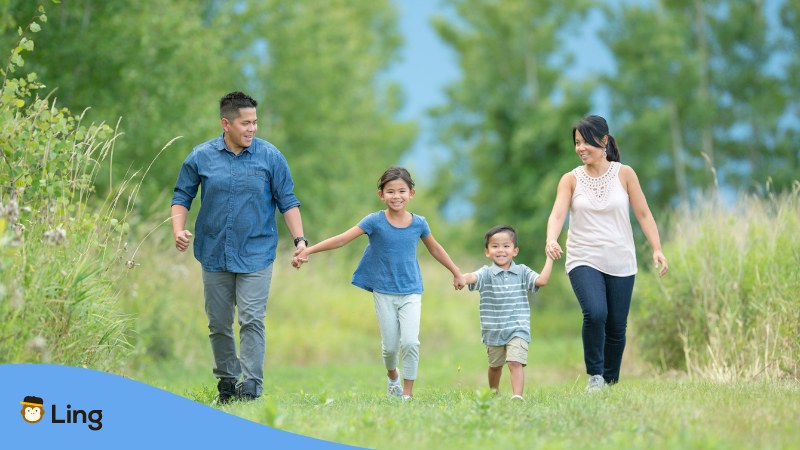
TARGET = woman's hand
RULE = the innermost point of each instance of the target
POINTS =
(553, 249)
(661, 262)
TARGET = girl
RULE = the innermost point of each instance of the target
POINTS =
(390, 270)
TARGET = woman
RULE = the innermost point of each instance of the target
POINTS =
(601, 257)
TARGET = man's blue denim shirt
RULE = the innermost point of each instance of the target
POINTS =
(236, 230)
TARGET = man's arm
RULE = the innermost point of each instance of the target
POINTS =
(294, 222)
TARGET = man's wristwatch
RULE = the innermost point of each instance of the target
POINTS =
(300, 238)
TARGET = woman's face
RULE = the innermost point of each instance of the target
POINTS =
(588, 153)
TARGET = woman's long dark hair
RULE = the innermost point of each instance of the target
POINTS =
(593, 128)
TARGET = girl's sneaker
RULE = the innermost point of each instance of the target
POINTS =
(394, 389)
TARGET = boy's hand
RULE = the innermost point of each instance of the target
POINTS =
(459, 281)
(552, 249)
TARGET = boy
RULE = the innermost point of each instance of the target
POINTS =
(505, 313)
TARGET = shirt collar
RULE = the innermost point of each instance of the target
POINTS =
(220, 144)
(513, 268)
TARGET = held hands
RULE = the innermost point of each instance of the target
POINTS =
(300, 255)
(661, 262)
(182, 239)
(553, 250)
(459, 281)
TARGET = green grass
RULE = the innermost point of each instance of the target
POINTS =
(324, 375)
(452, 408)
(324, 378)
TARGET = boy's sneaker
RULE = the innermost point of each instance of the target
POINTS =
(394, 389)
(517, 398)
(596, 383)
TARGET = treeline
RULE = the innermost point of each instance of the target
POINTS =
(700, 93)
(162, 65)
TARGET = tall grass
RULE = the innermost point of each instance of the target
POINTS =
(61, 247)
(729, 309)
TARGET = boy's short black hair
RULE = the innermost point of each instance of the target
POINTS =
(500, 229)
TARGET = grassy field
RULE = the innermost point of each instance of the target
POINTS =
(324, 375)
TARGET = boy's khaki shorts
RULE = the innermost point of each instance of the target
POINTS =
(516, 350)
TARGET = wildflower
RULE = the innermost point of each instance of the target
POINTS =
(38, 345)
(17, 300)
(130, 264)
(11, 210)
(55, 237)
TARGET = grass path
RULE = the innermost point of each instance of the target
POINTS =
(453, 410)
(324, 379)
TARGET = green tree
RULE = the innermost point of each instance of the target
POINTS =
(789, 130)
(696, 97)
(507, 121)
(327, 106)
(160, 66)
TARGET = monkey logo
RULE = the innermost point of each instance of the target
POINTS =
(32, 409)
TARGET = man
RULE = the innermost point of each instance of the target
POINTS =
(243, 180)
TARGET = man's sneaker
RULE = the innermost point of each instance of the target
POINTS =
(517, 398)
(227, 390)
(596, 383)
(246, 391)
(394, 389)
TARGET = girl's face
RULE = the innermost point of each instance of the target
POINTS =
(396, 194)
(588, 153)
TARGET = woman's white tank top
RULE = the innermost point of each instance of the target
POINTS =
(600, 234)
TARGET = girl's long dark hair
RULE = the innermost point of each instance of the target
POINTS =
(395, 173)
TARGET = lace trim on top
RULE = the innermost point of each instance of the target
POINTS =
(597, 189)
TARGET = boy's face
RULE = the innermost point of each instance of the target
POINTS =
(501, 249)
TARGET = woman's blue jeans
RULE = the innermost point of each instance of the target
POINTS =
(605, 301)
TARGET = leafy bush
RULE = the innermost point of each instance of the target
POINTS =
(58, 245)
(729, 308)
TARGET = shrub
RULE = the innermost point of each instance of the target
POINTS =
(58, 244)
(729, 308)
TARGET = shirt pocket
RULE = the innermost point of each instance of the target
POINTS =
(255, 179)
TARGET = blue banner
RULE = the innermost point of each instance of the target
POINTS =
(60, 407)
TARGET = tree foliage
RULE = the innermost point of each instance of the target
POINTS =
(325, 104)
(157, 66)
(699, 95)
(162, 65)
(507, 121)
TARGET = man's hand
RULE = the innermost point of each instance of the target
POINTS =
(182, 239)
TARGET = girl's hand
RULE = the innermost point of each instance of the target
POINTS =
(552, 249)
(459, 281)
(299, 258)
(661, 262)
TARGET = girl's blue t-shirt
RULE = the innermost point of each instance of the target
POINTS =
(389, 264)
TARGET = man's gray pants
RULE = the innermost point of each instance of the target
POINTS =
(224, 293)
